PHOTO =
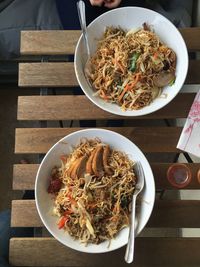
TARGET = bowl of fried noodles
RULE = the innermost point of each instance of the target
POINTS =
(138, 61)
(84, 189)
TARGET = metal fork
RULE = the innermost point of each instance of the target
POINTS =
(82, 19)
(138, 188)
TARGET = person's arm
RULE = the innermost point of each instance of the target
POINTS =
(107, 3)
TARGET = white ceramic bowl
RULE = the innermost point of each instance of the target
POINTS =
(44, 200)
(130, 18)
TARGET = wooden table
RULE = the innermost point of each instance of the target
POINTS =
(153, 140)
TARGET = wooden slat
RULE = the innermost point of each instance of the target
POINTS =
(192, 38)
(193, 74)
(149, 252)
(24, 214)
(59, 74)
(64, 42)
(185, 213)
(56, 74)
(160, 171)
(175, 213)
(48, 42)
(151, 139)
(24, 176)
(81, 108)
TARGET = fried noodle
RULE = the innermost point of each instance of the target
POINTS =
(93, 207)
(128, 67)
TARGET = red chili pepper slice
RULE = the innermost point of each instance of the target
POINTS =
(62, 222)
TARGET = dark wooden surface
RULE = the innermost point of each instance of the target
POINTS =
(168, 213)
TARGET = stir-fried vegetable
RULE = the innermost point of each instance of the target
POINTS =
(120, 54)
(129, 86)
(94, 206)
(133, 62)
(62, 222)
(172, 82)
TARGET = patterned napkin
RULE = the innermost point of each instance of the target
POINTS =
(190, 137)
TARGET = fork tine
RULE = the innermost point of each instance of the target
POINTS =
(137, 169)
(140, 173)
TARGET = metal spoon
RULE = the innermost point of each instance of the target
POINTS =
(131, 239)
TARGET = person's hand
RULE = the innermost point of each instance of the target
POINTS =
(107, 3)
(96, 2)
(111, 3)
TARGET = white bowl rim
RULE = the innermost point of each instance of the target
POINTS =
(37, 181)
(125, 114)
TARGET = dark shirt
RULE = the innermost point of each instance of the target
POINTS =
(69, 17)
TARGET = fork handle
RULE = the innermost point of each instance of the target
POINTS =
(129, 254)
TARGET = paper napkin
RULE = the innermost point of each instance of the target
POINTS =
(190, 137)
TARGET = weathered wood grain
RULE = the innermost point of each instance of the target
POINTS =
(80, 108)
(24, 176)
(149, 252)
(149, 139)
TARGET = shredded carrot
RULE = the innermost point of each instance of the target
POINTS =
(92, 205)
(103, 95)
(116, 207)
(63, 158)
(62, 222)
(73, 201)
(155, 56)
(119, 65)
(114, 218)
(129, 86)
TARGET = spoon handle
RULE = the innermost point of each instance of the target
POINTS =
(131, 239)
(82, 19)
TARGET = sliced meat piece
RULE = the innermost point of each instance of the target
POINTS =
(106, 152)
(79, 167)
(97, 162)
(172, 58)
(69, 171)
(82, 166)
(163, 78)
(89, 162)
(155, 92)
(166, 65)
(146, 27)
